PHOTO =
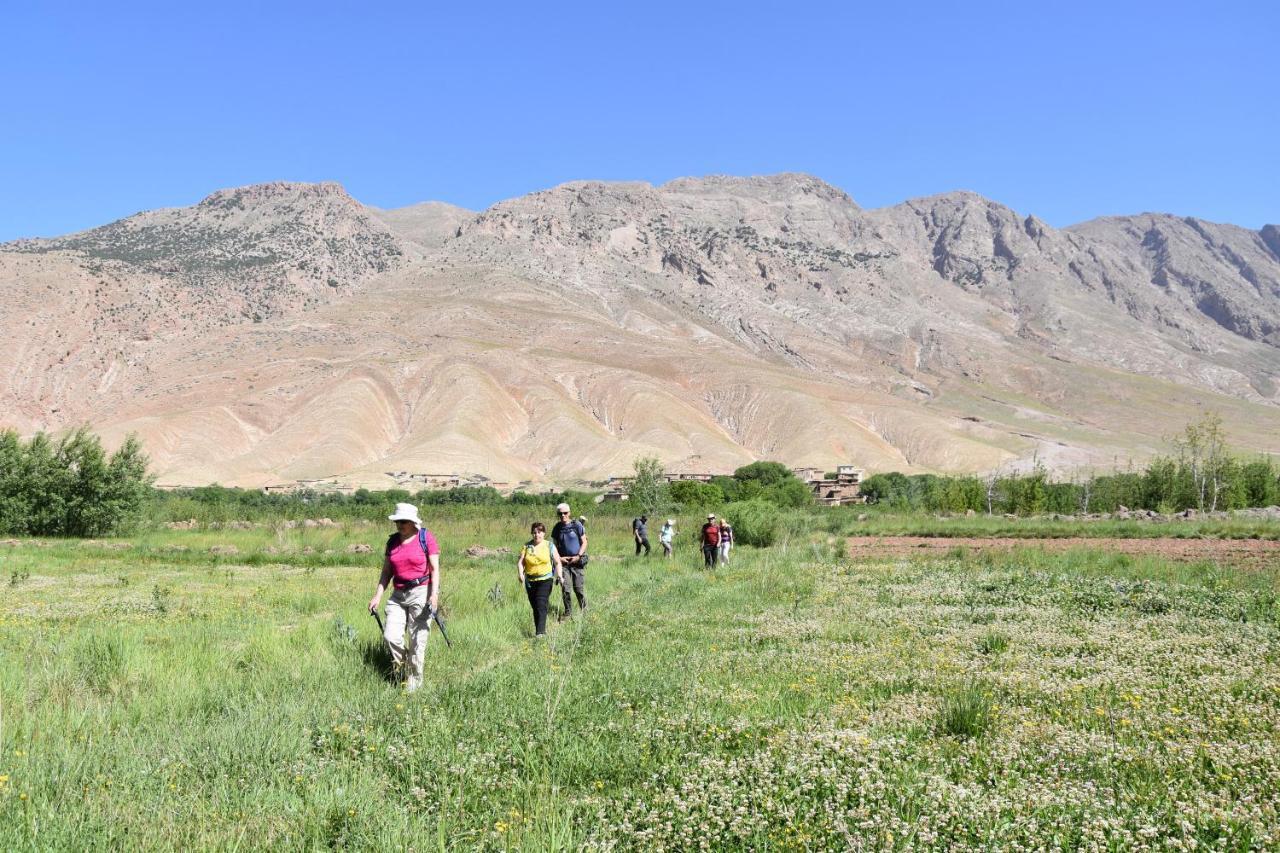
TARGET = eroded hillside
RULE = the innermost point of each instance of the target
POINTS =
(285, 331)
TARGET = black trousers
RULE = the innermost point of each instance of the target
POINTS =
(539, 595)
(710, 554)
(642, 542)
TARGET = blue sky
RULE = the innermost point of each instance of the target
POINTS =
(1065, 110)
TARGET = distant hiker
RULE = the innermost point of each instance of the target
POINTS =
(538, 566)
(412, 563)
(726, 540)
(710, 541)
(582, 519)
(570, 539)
(640, 530)
(666, 535)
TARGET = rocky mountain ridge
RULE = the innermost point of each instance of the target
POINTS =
(710, 321)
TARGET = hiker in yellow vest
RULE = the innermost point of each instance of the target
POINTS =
(538, 566)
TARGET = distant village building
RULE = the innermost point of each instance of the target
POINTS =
(426, 481)
(842, 488)
(327, 486)
(700, 478)
(403, 479)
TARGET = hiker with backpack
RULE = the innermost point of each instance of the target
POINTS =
(726, 540)
(538, 566)
(411, 564)
(570, 539)
(640, 530)
(710, 541)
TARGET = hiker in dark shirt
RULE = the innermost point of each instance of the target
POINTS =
(640, 530)
(570, 539)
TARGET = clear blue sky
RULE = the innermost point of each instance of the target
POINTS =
(1065, 110)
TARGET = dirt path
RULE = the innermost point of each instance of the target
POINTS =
(1251, 552)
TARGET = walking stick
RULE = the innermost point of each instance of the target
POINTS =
(435, 616)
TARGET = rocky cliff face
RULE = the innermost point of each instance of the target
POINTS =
(788, 265)
(242, 254)
(1228, 274)
(710, 321)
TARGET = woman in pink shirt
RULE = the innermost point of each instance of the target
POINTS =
(412, 566)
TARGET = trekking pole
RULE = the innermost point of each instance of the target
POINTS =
(378, 619)
(435, 617)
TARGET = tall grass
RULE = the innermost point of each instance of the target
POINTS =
(160, 696)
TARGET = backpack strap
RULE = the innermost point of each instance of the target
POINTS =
(422, 540)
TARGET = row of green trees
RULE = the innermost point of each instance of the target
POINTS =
(1200, 474)
(751, 498)
(70, 486)
(219, 503)
(770, 482)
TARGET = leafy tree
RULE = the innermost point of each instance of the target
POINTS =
(648, 488)
(789, 493)
(70, 487)
(728, 486)
(890, 488)
(764, 473)
(692, 493)
(772, 482)
(1261, 486)
(1202, 453)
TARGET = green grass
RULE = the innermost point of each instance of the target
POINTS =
(159, 696)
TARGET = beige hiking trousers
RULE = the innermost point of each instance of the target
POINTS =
(408, 611)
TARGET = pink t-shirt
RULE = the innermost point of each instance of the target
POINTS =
(407, 558)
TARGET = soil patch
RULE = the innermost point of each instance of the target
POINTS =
(1242, 552)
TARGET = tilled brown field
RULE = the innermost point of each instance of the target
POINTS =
(1241, 552)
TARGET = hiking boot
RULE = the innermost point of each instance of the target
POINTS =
(563, 616)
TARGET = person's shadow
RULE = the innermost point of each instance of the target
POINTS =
(378, 658)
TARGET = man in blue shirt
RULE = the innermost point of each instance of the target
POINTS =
(570, 538)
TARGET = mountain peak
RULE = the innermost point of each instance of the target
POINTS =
(276, 192)
(782, 186)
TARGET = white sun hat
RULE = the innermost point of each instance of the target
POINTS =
(405, 512)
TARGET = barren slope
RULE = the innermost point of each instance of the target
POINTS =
(285, 331)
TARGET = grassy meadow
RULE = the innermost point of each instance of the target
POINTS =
(166, 691)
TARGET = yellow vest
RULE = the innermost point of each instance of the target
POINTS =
(537, 560)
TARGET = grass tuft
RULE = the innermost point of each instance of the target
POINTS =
(965, 711)
(993, 643)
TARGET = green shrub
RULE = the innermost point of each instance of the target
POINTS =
(693, 494)
(754, 522)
